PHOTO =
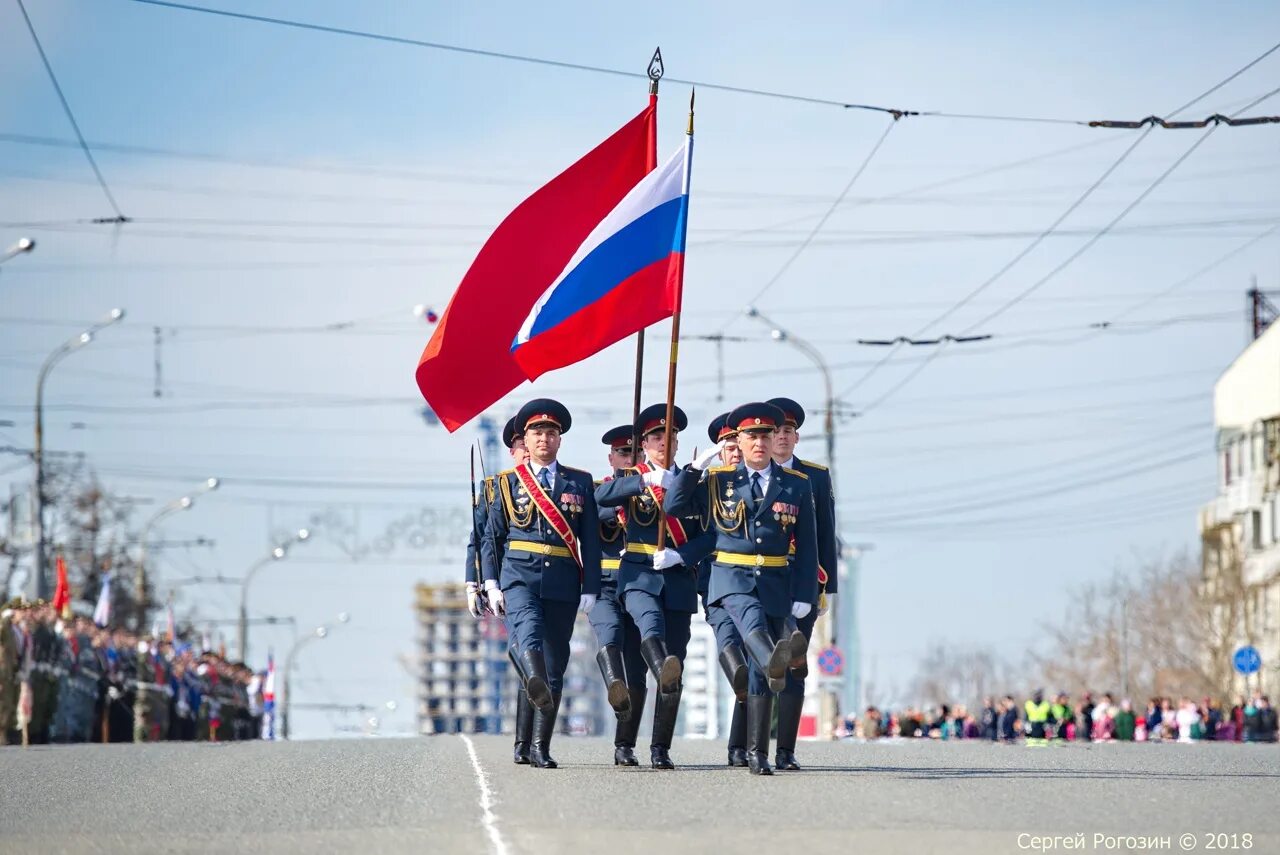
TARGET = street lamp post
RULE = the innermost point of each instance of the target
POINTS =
(277, 553)
(115, 316)
(181, 503)
(319, 632)
(825, 627)
(815, 356)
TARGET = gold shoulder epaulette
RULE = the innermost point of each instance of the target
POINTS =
(576, 471)
(722, 468)
(813, 465)
(795, 472)
(510, 471)
(596, 483)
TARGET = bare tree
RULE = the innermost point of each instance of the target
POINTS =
(1150, 631)
(953, 674)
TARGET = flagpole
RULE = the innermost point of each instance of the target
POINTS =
(655, 75)
(675, 316)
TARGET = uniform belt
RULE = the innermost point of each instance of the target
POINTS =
(743, 559)
(539, 548)
(610, 563)
(642, 548)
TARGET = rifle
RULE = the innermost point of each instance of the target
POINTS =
(475, 535)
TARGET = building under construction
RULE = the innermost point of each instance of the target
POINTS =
(467, 685)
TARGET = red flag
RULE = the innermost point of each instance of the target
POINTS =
(62, 593)
(467, 365)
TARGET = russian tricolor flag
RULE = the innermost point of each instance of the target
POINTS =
(624, 277)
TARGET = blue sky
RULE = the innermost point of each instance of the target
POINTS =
(391, 163)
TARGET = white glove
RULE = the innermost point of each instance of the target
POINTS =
(704, 459)
(496, 600)
(473, 599)
(826, 607)
(586, 603)
(800, 610)
(658, 478)
(664, 558)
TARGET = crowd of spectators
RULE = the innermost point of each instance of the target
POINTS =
(1104, 719)
(65, 679)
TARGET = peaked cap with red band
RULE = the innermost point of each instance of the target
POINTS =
(655, 418)
(543, 411)
(618, 438)
(756, 416)
(719, 428)
(791, 411)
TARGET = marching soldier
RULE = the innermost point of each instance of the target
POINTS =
(541, 560)
(475, 604)
(732, 656)
(791, 699)
(755, 509)
(659, 587)
(619, 657)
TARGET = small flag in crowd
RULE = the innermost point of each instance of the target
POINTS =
(62, 594)
(102, 613)
(269, 700)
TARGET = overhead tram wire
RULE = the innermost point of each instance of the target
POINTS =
(1076, 204)
(66, 109)
(604, 70)
(822, 221)
(1026, 292)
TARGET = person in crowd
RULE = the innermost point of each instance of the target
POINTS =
(1188, 720)
(1084, 727)
(1125, 722)
(1008, 719)
(989, 724)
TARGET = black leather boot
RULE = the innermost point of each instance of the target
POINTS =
(609, 658)
(734, 664)
(665, 710)
(799, 649)
(544, 724)
(524, 728)
(536, 685)
(738, 735)
(624, 736)
(789, 708)
(665, 667)
(759, 713)
(771, 657)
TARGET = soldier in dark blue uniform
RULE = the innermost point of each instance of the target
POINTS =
(619, 657)
(541, 560)
(659, 587)
(754, 510)
(475, 603)
(791, 699)
(732, 654)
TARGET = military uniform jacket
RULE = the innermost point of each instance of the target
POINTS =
(479, 520)
(824, 501)
(519, 547)
(612, 542)
(752, 543)
(677, 586)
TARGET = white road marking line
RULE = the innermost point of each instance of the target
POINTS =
(486, 801)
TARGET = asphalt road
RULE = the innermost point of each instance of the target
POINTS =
(426, 795)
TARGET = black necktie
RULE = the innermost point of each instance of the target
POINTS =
(544, 478)
(756, 493)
